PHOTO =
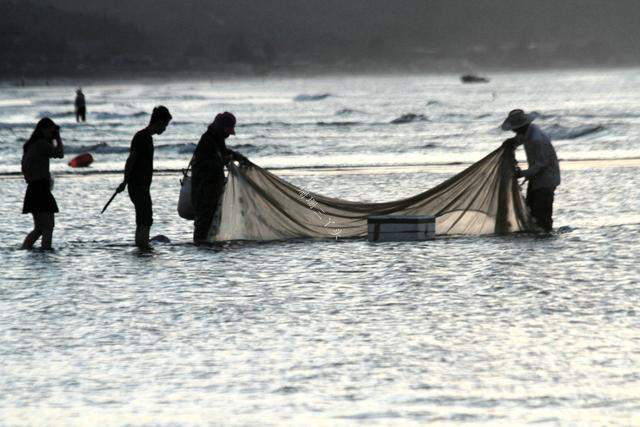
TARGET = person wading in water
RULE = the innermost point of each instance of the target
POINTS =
(544, 170)
(38, 200)
(207, 181)
(138, 173)
(81, 106)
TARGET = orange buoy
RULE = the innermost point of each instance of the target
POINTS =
(81, 161)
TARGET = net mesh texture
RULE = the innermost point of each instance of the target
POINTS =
(257, 205)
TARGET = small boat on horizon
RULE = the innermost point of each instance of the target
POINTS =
(472, 78)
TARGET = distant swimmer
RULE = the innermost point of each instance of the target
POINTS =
(207, 182)
(44, 144)
(138, 173)
(544, 170)
(81, 106)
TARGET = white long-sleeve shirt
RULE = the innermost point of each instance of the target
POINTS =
(544, 169)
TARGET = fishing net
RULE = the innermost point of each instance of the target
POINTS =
(485, 198)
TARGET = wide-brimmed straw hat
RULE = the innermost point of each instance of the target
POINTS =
(516, 119)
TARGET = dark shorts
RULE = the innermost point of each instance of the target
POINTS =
(38, 198)
(141, 198)
(540, 201)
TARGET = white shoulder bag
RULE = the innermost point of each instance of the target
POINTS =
(185, 207)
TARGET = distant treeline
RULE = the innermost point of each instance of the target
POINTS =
(258, 36)
(42, 40)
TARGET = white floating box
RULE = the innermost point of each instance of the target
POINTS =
(395, 228)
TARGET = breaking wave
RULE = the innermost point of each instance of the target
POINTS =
(562, 132)
(338, 123)
(115, 116)
(262, 149)
(428, 145)
(312, 97)
(185, 97)
(104, 148)
(180, 148)
(97, 116)
(55, 115)
(245, 147)
(11, 126)
(258, 124)
(186, 148)
(348, 112)
(409, 118)
(183, 123)
(100, 148)
(54, 102)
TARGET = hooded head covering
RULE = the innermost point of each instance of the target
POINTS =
(225, 120)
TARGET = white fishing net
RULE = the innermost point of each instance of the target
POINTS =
(483, 199)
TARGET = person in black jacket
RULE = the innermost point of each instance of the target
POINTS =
(81, 106)
(38, 200)
(138, 173)
(207, 180)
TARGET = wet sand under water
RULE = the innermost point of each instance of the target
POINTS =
(507, 330)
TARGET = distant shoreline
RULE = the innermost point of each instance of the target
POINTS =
(241, 72)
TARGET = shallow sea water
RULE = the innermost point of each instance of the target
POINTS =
(497, 330)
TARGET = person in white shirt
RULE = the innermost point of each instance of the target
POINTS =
(543, 173)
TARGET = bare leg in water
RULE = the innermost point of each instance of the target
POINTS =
(43, 226)
(142, 237)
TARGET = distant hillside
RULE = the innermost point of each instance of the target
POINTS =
(262, 36)
(40, 40)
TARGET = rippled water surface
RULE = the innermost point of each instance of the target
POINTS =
(510, 330)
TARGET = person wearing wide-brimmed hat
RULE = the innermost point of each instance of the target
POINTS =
(543, 173)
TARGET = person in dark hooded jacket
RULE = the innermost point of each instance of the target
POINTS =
(207, 177)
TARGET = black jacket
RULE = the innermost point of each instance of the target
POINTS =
(209, 159)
